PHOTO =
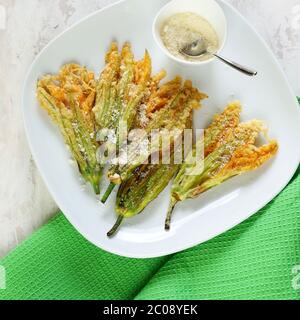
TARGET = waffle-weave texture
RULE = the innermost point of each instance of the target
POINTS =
(58, 263)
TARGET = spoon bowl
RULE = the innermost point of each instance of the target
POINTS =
(194, 49)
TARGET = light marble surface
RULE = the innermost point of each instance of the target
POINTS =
(25, 203)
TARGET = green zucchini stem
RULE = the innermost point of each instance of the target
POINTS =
(108, 193)
(170, 214)
(115, 228)
(96, 188)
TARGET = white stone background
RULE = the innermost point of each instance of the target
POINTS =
(25, 203)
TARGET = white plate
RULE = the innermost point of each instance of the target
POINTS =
(267, 97)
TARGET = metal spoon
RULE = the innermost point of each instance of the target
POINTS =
(199, 48)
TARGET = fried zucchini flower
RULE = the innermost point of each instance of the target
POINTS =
(122, 86)
(68, 98)
(142, 183)
(168, 107)
(230, 151)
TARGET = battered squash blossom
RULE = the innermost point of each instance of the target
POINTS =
(124, 85)
(127, 96)
(170, 107)
(69, 97)
(230, 151)
(167, 108)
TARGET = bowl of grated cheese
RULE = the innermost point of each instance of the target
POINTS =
(180, 23)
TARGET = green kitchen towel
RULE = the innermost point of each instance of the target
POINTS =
(259, 259)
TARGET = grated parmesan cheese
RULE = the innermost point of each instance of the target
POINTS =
(187, 27)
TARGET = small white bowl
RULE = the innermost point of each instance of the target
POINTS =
(208, 9)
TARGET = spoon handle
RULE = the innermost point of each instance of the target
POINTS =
(237, 66)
